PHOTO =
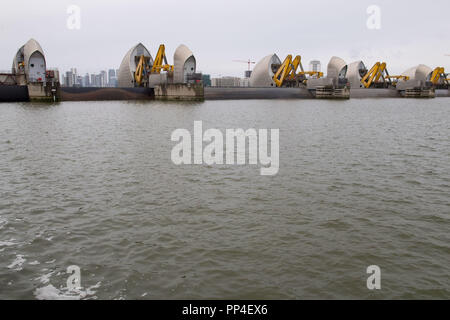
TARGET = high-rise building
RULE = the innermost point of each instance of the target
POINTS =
(315, 65)
(86, 80)
(74, 77)
(206, 79)
(79, 82)
(104, 79)
(69, 79)
(98, 80)
(63, 81)
(111, 77)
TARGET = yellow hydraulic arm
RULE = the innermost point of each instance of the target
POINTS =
(288, 70)
(158, 65)
(381, 72)
(312, 73)
(140, 69)
(283, 71)
(437, 74)
(374, 74)
(399, 77)
(297, 62)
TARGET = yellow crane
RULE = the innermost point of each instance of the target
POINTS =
(374, 74)
(437, 74)
(377, 72)
(160, 58)
(288, 70)
(398, 77)
(141, 70)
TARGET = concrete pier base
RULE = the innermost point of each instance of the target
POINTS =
(362, 93)
(332, 93)
(442, 93)
(40, 93)
(181, 92)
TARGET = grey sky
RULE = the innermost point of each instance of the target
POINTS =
(218, 32)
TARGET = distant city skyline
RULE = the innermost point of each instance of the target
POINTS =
(74, 78)
(108, 78)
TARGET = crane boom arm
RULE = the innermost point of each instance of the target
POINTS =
(437, 74)
(160, 62)
(139, 74)
(381, 71)
(367, 80)
(398, 77)
(288, 70)
(283, 71)
(293, 67)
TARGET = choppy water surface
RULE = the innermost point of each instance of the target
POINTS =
(361, 182)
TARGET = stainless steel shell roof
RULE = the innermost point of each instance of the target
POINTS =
(336, 67)
(354, 73)
(181, 55)
(125, 77)
(24, 54)
(420, 72)
(262, 73)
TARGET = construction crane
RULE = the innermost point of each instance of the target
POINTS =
(249, 62)
(287, 71)
(161, 58)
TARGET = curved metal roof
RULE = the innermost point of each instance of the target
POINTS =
(125, 76)
(24, 54)
(181, 55)
(262, 73)
(420, 72)
(336, 68)
(354, 70)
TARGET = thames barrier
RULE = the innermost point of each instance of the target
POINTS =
(142, 77)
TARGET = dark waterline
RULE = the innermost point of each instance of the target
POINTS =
(361, 182)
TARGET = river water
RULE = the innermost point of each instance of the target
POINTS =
(92, 184)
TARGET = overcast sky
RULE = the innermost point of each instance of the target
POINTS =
(220, 31)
